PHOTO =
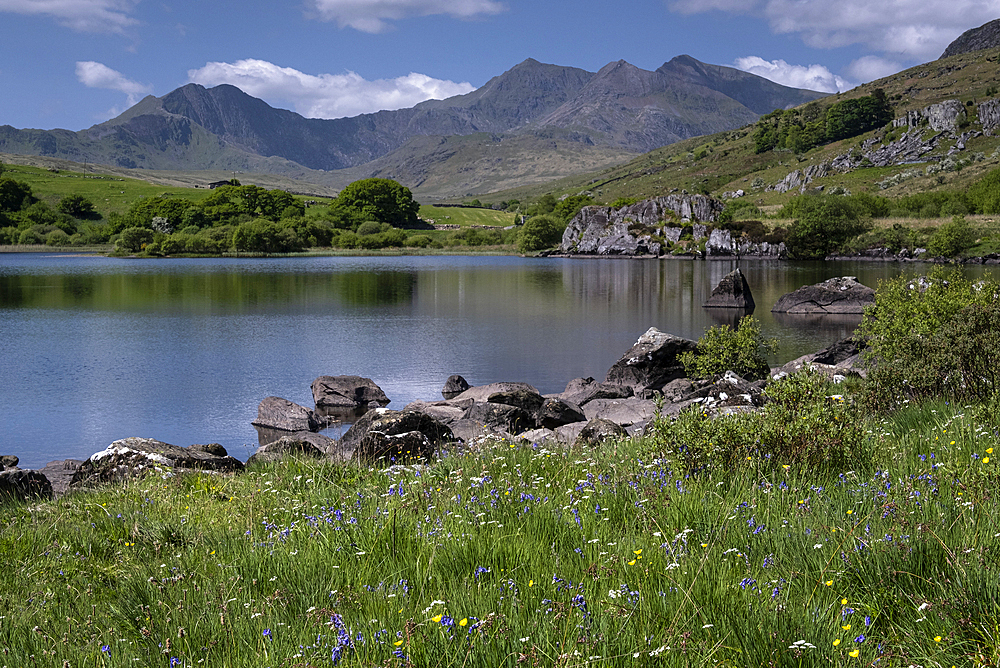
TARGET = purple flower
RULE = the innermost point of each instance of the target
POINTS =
(267, 634)
(860, 638)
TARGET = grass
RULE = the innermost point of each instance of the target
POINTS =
(466, 217)
(512, 554)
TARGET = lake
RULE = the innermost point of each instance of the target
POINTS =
(93, 349)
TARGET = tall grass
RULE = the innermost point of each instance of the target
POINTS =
(513, 554)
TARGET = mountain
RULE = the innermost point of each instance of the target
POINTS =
(986, 36)
(619, 110)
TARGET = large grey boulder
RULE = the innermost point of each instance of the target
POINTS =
(454, 386)
(60, 474)
(555, 413)
(842, 358)
(393, 423)
(18, 485)
(652, 362)
(623, 412)
(581, 390)
(836, 295)
(336, 395)
(484, 392)
(599, 430)
(446, 411)
(733, 291)
(8, 462)
(278, 413)
(136, 457)
(501, 417)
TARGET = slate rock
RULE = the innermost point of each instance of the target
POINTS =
(454, 386)
(278, 413)
(652, 362)
(622, 412)
(523, 398)
(483, 392)
(17, 485)
(836, 296)
(377, 446)
(393, 423)
(581, 390)
(501, 417)
(555, 413)
(446, 411)
(301, 443)
(336, 394)
(135, 457)
(733, 291)
(599, 430)
(211, 448)
(60, 474)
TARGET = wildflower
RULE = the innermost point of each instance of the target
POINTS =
(836, 642)
(843, 601)
(106, 649)
(398, 643)
(267, 634)
(846, 628)
(937, 638)
(854, 654)
(860, 638)
(436, 618)
(829, 583)
(464, 622)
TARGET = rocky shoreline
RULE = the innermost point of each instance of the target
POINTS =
(646, 382)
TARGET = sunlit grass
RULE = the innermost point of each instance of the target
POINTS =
(514, 554)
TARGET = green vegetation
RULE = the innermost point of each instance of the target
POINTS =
(743, 350)
(381, 200)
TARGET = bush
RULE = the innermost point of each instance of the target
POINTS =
(823, 225)
(134, 239)
(953, 238)
(743, 351)
(540, 232)
(370, 227)
(799, 425)
(933, 337)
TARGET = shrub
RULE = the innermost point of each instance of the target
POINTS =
(133, 239)
(543, 231)
(953, 238)
(799, 425)
(931, 337)
(743, 351)
(823, 225)
(370, 227)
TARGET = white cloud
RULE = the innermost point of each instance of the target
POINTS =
(913, 29)
(96, 75)
(326, 95)
(813, 77)
(106, 16)
(372, 15)
(870, 68)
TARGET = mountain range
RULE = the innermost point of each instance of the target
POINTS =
(490, 138)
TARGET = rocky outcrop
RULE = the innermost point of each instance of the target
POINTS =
(989, 116)
(836, 295)
(838, 360)
(986, 36)
(640, 229)
(720, 242)
(799, 179)
(733, 291)
(335, 395)
(941, 117)
(651, 363)
(136, 457)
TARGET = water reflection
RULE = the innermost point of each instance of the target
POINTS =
(184, 350)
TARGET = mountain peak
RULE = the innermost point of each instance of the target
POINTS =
(986, 36)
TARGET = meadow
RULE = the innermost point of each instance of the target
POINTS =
(515, 553)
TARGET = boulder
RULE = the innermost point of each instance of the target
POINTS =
(299, 443)
(842, 358)
(581, 390)
(216, 449)
(447, 412)
(60, 474)
(278, 413)
(8, 462)
(623, 412)
(555, 413)
(483, 392)
(338, 395)
(501, 417)
(523, 398)
(379, 447)
(836, 295)
(454, 386)
(135, 457)
(17, 485)
(652, 362)
(597, 431)
(393, 423)
(733, 291)
(677, 389)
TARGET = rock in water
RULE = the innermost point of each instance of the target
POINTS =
(334, 394)
(836, 295)
(733, 291)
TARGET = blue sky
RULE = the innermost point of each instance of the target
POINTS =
(74, 63)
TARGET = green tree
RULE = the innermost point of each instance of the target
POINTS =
(953, 238)
(823, 225)
(570, 206)
(540, 232)
(15, 195)
(382, 200)
(134, 239)
(78, 206)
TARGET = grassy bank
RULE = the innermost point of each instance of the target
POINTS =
(512, 554)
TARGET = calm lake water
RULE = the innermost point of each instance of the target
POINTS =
(94, 349)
